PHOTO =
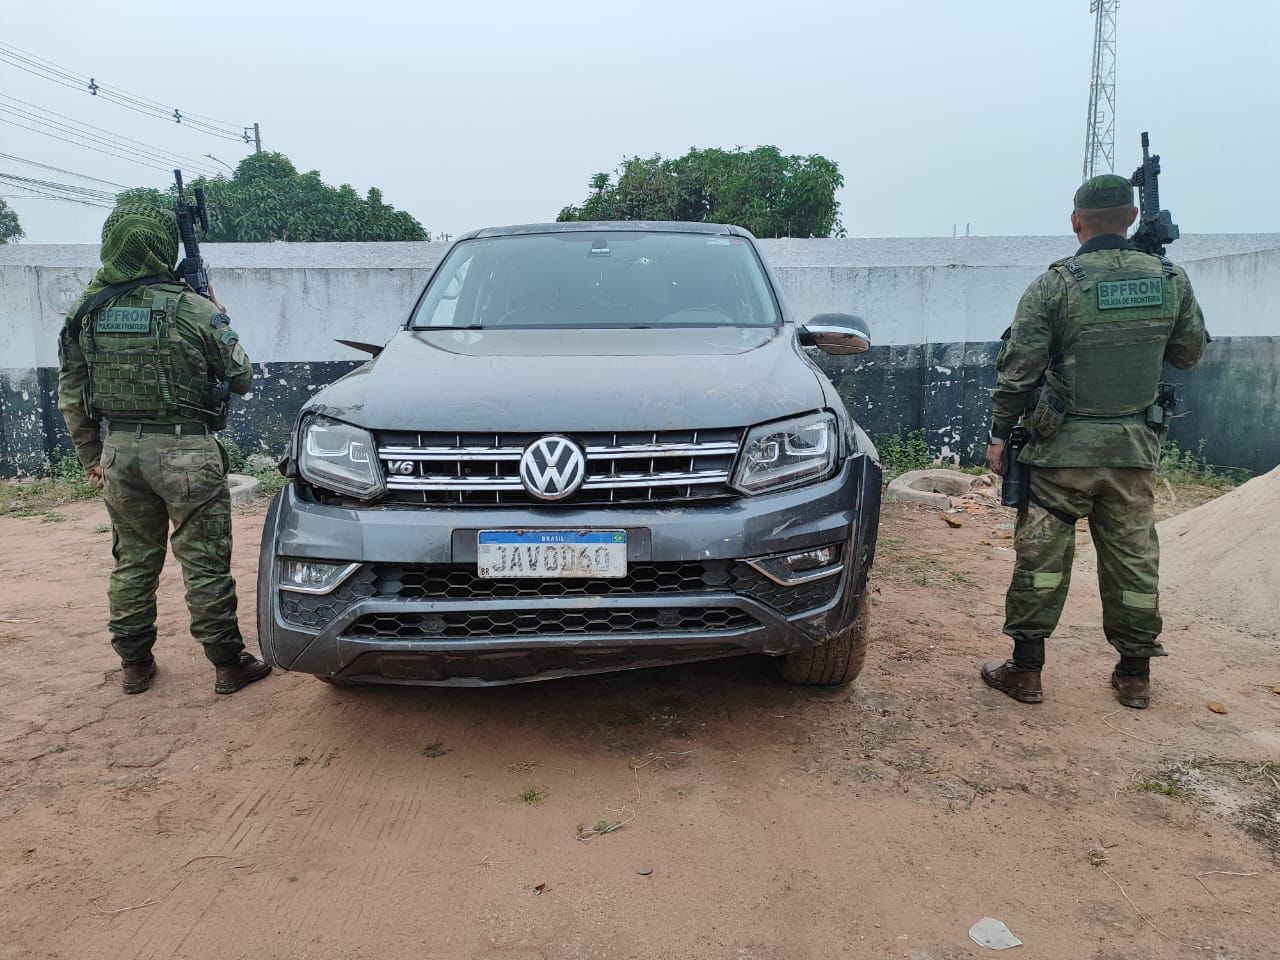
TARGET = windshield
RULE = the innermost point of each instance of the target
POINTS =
(599, 279)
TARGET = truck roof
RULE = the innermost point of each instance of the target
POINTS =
(591, 226)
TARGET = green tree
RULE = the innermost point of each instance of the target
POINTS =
(770, 194)
(10, 228)
(267, 199)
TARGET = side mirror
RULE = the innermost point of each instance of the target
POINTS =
(836, 333)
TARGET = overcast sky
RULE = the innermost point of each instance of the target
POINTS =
(484, 112)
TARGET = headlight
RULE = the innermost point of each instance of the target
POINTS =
(787, 453)
(340, 457)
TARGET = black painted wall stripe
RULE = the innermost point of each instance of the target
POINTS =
(939, 388)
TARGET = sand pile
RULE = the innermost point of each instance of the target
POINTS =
(1222, 560)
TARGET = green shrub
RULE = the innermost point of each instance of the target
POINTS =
(237, 459)
(1183, 466)
(60, 481)
(901, 452)
(269, 477)
(62, 473)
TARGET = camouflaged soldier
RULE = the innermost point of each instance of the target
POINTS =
(142, 351)
(1083, 361)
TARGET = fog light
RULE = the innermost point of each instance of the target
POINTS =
(822, 557)
(793, 569)
(313, 576)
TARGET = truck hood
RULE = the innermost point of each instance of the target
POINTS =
(587, 380)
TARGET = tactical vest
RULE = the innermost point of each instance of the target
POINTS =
(1119, 320)
(140, 366)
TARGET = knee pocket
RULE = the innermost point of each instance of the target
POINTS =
(1139, 601)
(216, 525)
(1036, 580)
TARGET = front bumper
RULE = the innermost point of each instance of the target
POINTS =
(414, 610)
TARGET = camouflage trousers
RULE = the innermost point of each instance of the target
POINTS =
(150, 481)
(1119, 503)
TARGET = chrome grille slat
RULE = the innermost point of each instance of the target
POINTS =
(452, 483)
(449, 453)
(635, 467)
(656, 479)
(638, 451)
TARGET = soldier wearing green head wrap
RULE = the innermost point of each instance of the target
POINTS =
(142, 351)
(1082, 365)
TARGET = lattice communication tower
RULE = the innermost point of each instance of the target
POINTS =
(1100, 134)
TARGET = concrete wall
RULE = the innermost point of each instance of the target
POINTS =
(936, 309)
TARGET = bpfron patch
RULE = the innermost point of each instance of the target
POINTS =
(1119, 294)
(124, 320)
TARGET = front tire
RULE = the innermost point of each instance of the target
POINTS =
(266, 586)
(836, 662)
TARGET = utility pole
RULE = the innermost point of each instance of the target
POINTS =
(1100, 133)
(257, 138)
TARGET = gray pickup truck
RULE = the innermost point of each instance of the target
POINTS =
(590, 447)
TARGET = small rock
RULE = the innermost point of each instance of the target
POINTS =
(1217, 706)
(1276, 688)
(644, 871)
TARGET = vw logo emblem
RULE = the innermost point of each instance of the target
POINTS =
(553, 468)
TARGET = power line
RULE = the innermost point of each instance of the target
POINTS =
(73, 120)
(78, 143)
(48, 70)
(73, 173)
(33, 193)
(101, 135)
(29, 183)
(123, 151)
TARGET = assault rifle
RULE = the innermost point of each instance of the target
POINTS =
(1155, 226)
(192, 268)
(1155, 229)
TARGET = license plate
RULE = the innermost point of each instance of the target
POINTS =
(543, 554)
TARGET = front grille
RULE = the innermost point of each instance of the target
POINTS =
(425, 582)
(547, 622)
(415, 582)
(484, 469)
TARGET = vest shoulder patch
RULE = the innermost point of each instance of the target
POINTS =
(1139, 292)
(124, 320)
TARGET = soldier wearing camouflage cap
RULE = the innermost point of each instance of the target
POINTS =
(1081, 364)
(142, 351)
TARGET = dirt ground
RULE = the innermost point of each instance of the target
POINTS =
(760, 821)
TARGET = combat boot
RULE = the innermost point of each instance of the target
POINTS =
(1005, 676)
(239, 673)
(1131, 691)
(137, 677)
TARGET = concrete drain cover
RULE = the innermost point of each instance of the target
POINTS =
(243, 489)
(934, 488)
